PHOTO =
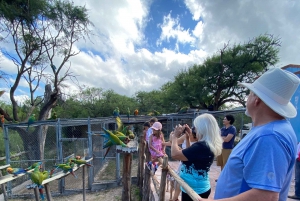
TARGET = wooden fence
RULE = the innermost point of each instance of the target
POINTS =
(145, 176)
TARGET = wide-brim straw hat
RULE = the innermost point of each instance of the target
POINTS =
(276, 88)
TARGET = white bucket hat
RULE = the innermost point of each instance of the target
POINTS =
(276, 88)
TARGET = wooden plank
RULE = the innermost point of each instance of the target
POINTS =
(132, 147)
(61, 174)
(4, 166)
(11, 177)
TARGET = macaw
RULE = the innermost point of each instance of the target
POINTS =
(2, 92)
(53, 67)
(128, 113)
(15, 171)
(80, 162)
(30, 121)
(38, 177)
(183, 110)
(156, 113)
(34, 165)
(113, 139)
(53, 116)
(119, 124)
(66, 167)
(2, 119)
(116, 112)
(136, 112)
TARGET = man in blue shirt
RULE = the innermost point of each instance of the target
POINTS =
(260, 167)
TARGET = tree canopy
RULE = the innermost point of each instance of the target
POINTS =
(215, 82)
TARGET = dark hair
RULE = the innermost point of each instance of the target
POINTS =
(147, 124)
(153, 120)
(194, 132)
(230, 118)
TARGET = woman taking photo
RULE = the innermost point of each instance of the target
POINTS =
(197, 159)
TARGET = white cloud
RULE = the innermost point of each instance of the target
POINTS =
(171, 29)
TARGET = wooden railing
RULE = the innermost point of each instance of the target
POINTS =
(144, 176)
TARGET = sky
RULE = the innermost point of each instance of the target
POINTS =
(140, 45)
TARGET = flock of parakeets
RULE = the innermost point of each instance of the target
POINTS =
(37, 176)
(116, 112)
(121, 136)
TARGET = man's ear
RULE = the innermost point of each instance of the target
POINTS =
(257, 100)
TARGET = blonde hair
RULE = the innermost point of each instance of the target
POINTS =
(207, 130)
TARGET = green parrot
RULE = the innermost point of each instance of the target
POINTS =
(34, 165)
(119, 124)
(30, 121)
(128, 113)
(53, 116)
(111, 140)
(66, 167)
(116, 112)
(38, 177)
(80, 162)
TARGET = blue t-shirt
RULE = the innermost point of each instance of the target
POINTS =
(195, 171)
(264, 160)
(224, 132)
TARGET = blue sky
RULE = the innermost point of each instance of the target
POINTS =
(140, 45)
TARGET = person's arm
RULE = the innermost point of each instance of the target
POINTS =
(176, 153)
(227, 138)
(250, 195)
(163, 141)
(150, 143)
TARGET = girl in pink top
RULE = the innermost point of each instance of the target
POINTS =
(156, 147)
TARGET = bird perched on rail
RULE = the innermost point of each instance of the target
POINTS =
(2, 119)
(128, 114)
(116, 112)
(53, 116)
(38, 177)
(113, 139)
(30, 121)
(34, 165)
(66, 167)
(136, 112)
(15, 171)
(80, 162)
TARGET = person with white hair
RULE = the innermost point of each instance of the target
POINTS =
(197, 158)
(260, 167)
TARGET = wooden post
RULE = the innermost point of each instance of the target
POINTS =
(141, 164)
(142, 167)
(36, 194)
(126, 180)
(3, 188)
(146, 189)
(163, 179)
(83, 182)
(48, 192)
